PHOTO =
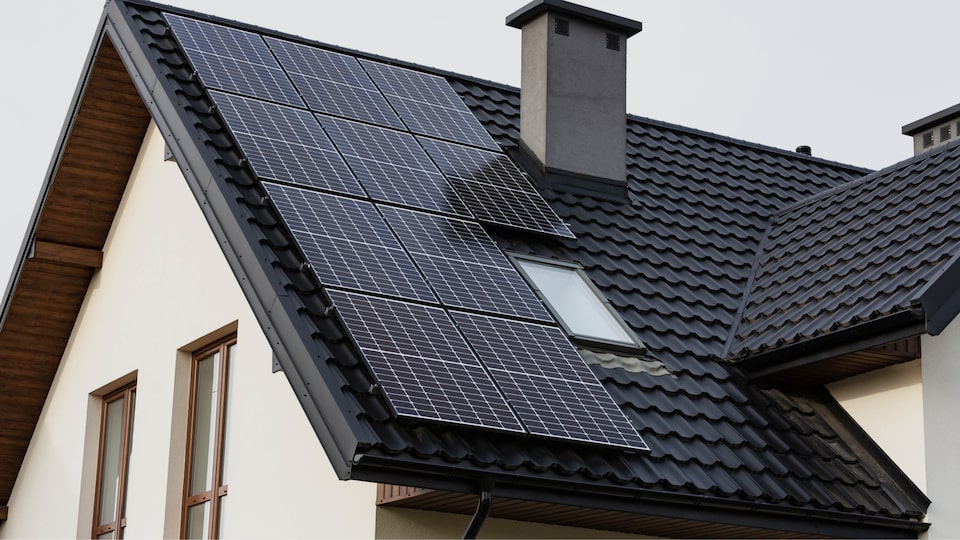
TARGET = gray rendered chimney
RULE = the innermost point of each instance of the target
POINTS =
(573, 92)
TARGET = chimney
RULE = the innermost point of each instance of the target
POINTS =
(935, 130)
(573, 94)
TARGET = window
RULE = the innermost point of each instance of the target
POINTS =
(116, 435)
(928, 139)
(575, 301)
(205, 485)
(945, 133)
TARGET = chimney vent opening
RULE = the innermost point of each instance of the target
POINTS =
(613, 41)
(561, 26)
(805, 150)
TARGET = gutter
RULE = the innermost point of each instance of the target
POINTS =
(456, 477)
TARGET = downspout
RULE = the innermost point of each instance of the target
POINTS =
(483, 510)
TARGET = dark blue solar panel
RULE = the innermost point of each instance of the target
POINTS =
(422, 363)
(392, 166)
(427, 104)
(347, 243)
(286, 144)
(495, 189)
(334, 83)
(234, 60)
(464, 266)
(547, 382)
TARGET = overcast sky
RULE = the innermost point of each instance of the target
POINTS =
(841, 77)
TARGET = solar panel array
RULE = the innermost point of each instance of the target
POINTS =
(393, 167)
(287, 144)
(464, 265)
(386, 214)
(233, 60)
(495, 189)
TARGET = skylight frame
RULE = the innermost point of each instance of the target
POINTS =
(633, 343)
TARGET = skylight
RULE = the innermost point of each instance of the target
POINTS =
(576, 302)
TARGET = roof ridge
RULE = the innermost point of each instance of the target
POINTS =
(902, 164)
(747, 144)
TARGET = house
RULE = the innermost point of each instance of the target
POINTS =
(489, 324)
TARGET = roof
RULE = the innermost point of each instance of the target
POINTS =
(678, 262)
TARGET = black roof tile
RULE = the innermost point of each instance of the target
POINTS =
(674, 260)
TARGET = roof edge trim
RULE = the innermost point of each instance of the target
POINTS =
(940, 297)
(680, 506)
(862, 336)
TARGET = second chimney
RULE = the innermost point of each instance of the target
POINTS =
(573, 91)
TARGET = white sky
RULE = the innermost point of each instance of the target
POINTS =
(842, 77)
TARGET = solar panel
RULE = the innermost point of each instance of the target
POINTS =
(283, 143)
(428, 105)
(334, 83)
(347, 243)
(392, 166)
(547, 382)
(422, 363)
(495, 189)
(464, 266)
(232, 59)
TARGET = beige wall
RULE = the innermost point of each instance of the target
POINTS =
(888, 404)
(941, 407)
(164, 284)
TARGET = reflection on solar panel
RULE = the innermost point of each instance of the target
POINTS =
(392, 166)
(422, 363)
(347, 243)
(286, 144)
(234, 60)
(334, 83)
(547, 383)
(427, 104)
(463, 264)
(495, 189)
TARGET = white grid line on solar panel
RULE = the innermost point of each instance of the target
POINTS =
(464, 266)
(494, 188)
(425, 367)
(392, 166)
(427, 104)
(568, 410)
(511, 208)
(232, 59)
(283, 143)
(334, 83)
(549, 384)
(347, 243)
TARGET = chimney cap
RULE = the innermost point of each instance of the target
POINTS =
(534, 9)
(928, 122)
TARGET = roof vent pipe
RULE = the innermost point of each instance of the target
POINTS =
(805, 150)
(573, 91)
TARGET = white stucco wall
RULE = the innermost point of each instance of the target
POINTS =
(164, 284)
(888, 405)
(941, 408)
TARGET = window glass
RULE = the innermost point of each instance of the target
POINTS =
(116, 438)
(204, 422)
(574, 301)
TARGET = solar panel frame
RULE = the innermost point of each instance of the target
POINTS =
(494, 188)
(463, 264)
(547, 382)
(428, 105)
(286, 144)
(392, 166)
(426, 369)
(233, 60)
(347, 243)
(333, 83)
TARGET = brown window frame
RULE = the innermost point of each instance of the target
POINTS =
(218, 490)
(128, 393)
